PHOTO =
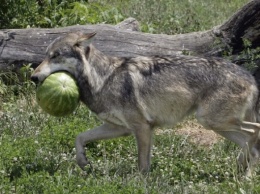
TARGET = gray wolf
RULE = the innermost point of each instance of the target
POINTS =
(136, 95)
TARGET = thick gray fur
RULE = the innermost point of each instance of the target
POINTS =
(136, 95)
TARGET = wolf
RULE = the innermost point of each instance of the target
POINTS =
(134, 95)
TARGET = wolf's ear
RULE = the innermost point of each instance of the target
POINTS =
(85, 39)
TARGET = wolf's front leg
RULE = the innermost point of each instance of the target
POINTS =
(105, 131)
(143, 135)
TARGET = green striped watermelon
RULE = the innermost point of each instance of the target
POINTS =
(58, 95)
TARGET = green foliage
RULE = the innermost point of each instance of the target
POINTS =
(177, 17)
(166, 16)
(90, 13)
(249, 55)
(37, 150)
(18, 13)
(55, 13)
(246, 58)
(13, 83)
(38, 156)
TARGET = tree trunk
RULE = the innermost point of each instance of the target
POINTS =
(19, 46)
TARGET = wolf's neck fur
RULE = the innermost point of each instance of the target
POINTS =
(95, 70)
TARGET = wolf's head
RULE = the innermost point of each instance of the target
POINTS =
(63, 54)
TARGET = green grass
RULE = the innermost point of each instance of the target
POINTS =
(155, 16)
(38, 156)
(37, 153)
(178, 16)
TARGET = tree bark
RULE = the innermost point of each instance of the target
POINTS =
(19, 46)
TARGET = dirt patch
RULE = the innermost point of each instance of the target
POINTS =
(194, 132)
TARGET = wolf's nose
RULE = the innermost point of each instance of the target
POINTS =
(35, 79)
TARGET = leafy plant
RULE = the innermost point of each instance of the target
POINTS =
(90, 13)
(249, 55)
(177, 17)
(37, 150)
(13, 83)
(55, 13)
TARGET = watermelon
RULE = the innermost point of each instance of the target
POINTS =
(58, 94)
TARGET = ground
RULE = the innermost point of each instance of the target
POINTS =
(194, 132)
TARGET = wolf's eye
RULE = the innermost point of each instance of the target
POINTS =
(54, 54)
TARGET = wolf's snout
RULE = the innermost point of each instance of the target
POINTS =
(35, 79)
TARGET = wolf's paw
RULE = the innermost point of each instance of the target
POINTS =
(82, 161)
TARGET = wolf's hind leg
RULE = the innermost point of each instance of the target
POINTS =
(225, 112)
(241, 140)
(246, 135)
(105, 131)
(251, 152)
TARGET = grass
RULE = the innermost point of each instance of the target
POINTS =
(176, 17)
(37, 150)
(38, 156)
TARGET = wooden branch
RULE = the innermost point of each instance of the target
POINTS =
(244, 24)
(19, 46)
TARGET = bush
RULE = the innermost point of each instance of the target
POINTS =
(55, 13)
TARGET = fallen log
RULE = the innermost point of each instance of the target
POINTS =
(23, 46)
